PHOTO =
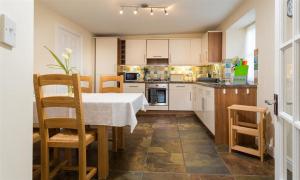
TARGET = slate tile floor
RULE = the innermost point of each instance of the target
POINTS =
(177, 147)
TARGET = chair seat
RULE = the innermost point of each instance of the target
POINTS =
(70, 139)
(36, 137)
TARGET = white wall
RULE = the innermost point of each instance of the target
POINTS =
(235, 42)
(265, 34)
(16, 94)
(46, 22)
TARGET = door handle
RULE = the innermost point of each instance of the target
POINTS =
(274, 103)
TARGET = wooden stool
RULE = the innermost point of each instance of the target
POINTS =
(251, 129)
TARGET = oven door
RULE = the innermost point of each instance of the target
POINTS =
(157, 96)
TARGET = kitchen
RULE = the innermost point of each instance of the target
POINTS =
(166, 90)
(184, 78)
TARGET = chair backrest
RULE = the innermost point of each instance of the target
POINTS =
(118, 89)
(74, 102)
(89, 87)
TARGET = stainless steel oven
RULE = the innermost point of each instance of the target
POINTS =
(157, 94)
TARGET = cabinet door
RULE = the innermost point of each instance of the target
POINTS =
(135, 52)
(210, 109)
(195, 52)
(106, 58)
(204, 51)
(180, 98)
(157, 49)
(214, 47)
(134, 88)
(180, 52)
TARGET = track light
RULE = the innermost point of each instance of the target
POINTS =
(136, 9)
(121, 11)
(166, 12)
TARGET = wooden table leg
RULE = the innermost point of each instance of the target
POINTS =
(121, 138)
(103, 156)
(115, 139)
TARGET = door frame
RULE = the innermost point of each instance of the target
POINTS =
(294, 43)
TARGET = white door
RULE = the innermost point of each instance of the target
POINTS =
(66, 38)
(135, 52)
(106, 59)
(287, 131)
(180, 51)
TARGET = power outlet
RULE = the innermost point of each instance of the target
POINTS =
(7, 31)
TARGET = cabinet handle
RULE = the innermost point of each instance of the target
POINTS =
(132, 86)
(157, 56)
(202, 104)
(236, 91)
(247, 91)
(180, 86)
(224, 91)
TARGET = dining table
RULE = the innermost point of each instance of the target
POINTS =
(102, 111)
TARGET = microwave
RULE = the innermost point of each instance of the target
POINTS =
(131, 76)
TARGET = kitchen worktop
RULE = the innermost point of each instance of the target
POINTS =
(213, 85)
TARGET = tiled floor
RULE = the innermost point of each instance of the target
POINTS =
(178, 148)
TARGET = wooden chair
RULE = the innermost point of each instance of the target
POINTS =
(36, 169)
(117, 132)
(89, 87)
(236, 126)
(72, 135)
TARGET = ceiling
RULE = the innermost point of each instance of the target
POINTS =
(185, 16)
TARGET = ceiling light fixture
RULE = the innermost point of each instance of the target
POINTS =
(135, 12)
(166, 12)
(143, 6)
(151, 12)
(122, 11)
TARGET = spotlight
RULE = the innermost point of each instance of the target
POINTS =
(151, 12)
(166, 12)
(121, 11)
(135, 11)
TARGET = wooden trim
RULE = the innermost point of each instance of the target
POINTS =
(69, 123)
(246, 150)
(89, 88)
(58, 101)
(55, 79)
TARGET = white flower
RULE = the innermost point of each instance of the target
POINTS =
(69, 51)
(65, 56)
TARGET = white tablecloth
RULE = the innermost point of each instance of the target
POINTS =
(111, 109)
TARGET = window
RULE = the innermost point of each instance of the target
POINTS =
(250, 46)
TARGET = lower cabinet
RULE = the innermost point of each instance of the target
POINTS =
(180, 97)
(225, 97)
(204, 105)
(134, 88)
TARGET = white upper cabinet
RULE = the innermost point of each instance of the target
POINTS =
(180, 52)
(135, 52)
(158, 49)
(195, 52)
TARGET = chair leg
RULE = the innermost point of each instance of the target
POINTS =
(44, 161)
(82, 163)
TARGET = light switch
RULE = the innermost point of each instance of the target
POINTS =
(7, 31)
